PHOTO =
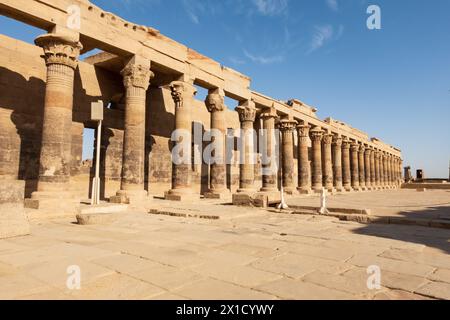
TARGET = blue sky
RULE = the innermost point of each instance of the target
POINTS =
(392, 83)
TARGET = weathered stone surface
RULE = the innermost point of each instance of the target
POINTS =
(13, 221)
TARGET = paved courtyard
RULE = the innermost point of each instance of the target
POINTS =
(247, 254)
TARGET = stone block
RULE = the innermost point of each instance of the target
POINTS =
(13, 221)
(12, 191)
(96, 218)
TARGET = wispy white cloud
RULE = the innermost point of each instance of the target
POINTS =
(263, 59)
(271, 7)
(195, 9)
(321, 36)
(333, 5)
(236, 61)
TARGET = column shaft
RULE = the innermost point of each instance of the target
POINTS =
(269, 166)
(136, 79)
(304, 171)
(61, 57)
(328, 162)
(317, 180)
(362, 167)
(247, 115)
(287, 131)
(377, 169)
(368, 170)
(354, 163)
(218, 172)
(183, 94)
(346, 171)
(337, 163)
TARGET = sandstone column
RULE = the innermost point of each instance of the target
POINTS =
(247, 115)
(391, 171)
(368, 169)
(362, 167)
(373, 169)
(354, 163)
(384, 178)
(317, 181)
(218, 180)
(386, 170)
(270, 168)
(377, 169)
(381, 169)
(328, 162)
(346, 172)
(136, 79)
(304, 171)
(61, 54)
(337, 163)
(183, 93)
(287, 130)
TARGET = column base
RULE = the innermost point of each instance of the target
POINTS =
(303, 191)
(269, 189)
(218, 194)
(290, 191)
(348, 189)
(58, 203)
(340, 189)
(181, 195)
(246, 191)
(129, 197)
(265, 199)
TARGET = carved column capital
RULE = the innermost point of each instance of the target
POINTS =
(182, 91)
(303, 131)
(215, 102)
(346, 144)
(337, 141)
(135, 75)
(327, 139)
(316, 135)
(362, 148)
(247, 111)
(287, 125)
(269, 113)
(59, 49)
(354, 147)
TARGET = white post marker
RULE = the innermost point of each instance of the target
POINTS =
(323, 202)
(97, 115)
(283, 205)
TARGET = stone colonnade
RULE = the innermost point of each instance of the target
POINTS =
(334, 162)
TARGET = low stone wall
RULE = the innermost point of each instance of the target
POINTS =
(431, 186)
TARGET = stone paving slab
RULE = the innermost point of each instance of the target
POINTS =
(260, 255)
